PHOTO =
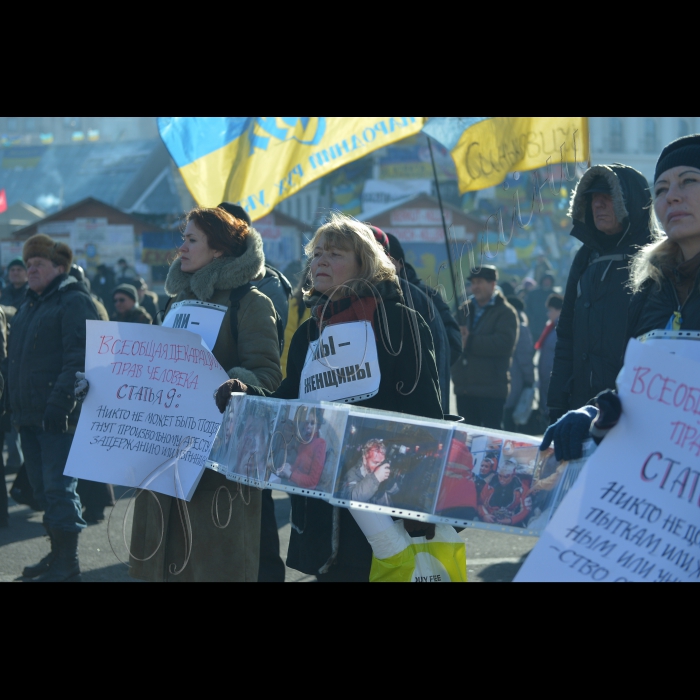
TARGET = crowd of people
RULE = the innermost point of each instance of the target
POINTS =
(509, 342)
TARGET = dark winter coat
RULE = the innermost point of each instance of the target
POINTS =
(591, 335)
(417, 299)
(522, 369)
(135, 315)
(47, 348)
(325, 539)
(149, 303)
(454, 337)
(482, 369)
(12, 296)
(545, 364)
(652, 307)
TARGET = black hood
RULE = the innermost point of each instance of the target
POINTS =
(631, 201)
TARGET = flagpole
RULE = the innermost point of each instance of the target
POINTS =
(444, 225)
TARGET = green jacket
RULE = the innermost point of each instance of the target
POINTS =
(230, 553)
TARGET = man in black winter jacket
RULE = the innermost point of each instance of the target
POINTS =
(46, 349)
(610, 210)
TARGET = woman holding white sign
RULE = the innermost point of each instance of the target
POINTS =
(665, 280)
(209, 282)
(363, 346)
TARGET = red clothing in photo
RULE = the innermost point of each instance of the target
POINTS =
(308, 465)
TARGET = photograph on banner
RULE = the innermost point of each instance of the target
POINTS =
(249, 447)
(222, 442)
(149, 419)
(391, 464)
(305, 448)
(493, 480)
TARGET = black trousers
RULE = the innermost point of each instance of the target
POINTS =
(271, 564)
(484, 413)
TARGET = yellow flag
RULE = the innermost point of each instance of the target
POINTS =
(486, 149)
(257, 162)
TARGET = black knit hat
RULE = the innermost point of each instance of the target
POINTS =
(127, 289)
(395, 248)
(236, 211)
(682, 151)
(18, 262)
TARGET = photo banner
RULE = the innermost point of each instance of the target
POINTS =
(634, 513)
(149, 419)
(383, 462)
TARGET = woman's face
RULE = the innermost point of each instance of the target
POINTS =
(195, 252)
(331, 268)
(677, 205)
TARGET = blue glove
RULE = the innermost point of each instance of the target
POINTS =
(569, 433)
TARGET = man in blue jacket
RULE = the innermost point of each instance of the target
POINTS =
(46, 349)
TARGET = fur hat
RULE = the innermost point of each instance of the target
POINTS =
(42, 246)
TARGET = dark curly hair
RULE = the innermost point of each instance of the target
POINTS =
(223, 231)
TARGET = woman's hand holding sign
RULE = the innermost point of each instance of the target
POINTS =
(223, 393)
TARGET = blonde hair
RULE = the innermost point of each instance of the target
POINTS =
(652, 258)
(346, 233)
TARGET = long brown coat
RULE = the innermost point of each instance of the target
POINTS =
(215, 554)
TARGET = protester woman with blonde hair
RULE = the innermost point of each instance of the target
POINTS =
(389, 352)
(665, 281)
(219, 254)
(665, 273)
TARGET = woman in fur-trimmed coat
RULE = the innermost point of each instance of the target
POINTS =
(219, 253)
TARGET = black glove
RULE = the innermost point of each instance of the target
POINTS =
(223, 393)
(569, 433)
(610, 409)
(415, 528)
(55, 420)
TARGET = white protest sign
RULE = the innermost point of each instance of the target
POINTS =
(200, 317)
(634, 513)
(150, 408)
(342, 365)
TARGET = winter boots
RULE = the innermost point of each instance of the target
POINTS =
(43, 566)
(61, 564)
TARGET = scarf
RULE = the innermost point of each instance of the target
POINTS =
(547, 330)
(345, 310)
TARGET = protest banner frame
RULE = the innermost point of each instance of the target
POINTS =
(540, 465)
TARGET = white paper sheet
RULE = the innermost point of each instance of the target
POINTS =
(149, 418)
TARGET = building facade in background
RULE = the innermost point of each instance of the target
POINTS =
(636, 141)
(35, 131)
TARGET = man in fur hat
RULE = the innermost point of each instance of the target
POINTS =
(610, 210)
(46, 349)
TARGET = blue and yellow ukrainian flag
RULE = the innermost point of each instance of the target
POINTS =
(486, 149)
(257, 162)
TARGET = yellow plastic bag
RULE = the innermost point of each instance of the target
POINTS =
(418, 560)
